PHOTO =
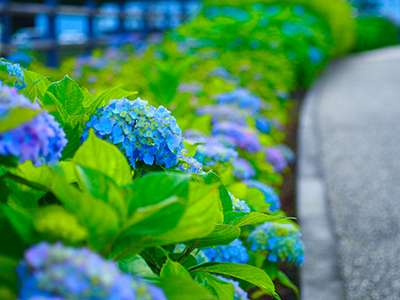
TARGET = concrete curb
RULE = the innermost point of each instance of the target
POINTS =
(319, 274)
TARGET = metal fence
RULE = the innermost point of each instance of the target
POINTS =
(145, 13)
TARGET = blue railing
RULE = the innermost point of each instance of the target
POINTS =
(58, 26)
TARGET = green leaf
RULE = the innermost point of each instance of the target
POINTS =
(68, 94)
(59, 113)
(104, 158)
(191, 149)
(22, 224)
(105, 97)
(224, 290)
(179, 285)
(271, 268)
(73, 135)
(39, 81)
(156, 187)
(30, 92)
(102, 187)
(254, 197)
(222, 235)
(8, 266)
(243, 218)
(88, 97)
(99, 218)
(172, 268)
(226, 201)
(287, 282)
(247, 273)
(16, 117)
(136, 266)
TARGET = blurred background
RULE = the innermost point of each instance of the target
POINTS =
(55, 29)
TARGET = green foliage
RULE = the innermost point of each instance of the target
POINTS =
(374, 32)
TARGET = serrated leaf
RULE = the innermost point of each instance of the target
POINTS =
(30, 92)
(244, 272)
(17, 117)
(226, 202)
(136, 266)
(68, 94)
(178, 288)
(222, 235)
(172, 268)
(60, 114)
(88, 97)
(39, 81)
(191, 149)
(243, 218)
(104, 158)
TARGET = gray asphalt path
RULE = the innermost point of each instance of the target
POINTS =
(357, 130)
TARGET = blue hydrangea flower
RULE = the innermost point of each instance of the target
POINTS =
(40, 139)
(59, 272)
(281, 242)
(271, 197)
(222, 112)
(316, 55)
(212, 151)
(243, 99)
(275, 157)
(243, 137)
(235, 252)
(287, 152)
(242, 169)
(299, 10)
(239, 205)
(224, 74)
(191, 165)
(15, 70)
(263, 124)
(240, 294)
(142, 132)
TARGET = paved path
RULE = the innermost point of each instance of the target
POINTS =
(349, 181)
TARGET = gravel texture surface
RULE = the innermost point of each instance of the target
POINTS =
(358, 118)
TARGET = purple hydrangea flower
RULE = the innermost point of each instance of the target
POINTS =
(242, 98)
(190, 87)
(242, 169)
(40, 139)
(281, 242)
(235, 252)
(15, 70)
(271, 197)
(222, 112)
(275, 157)
(58, 272)
(213, 151)
(143, 133)
(287, 152)
(240, 294)
(191, 165)
(243, 137)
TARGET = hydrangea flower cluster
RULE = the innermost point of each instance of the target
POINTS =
(40, 139)
(240, 294)
(15, 70)
(239, 205)
(271, 197)
(275, 157)
(282, 242)
(212, 151)
(243, 137)
(223, 112)
(242, 169)
(243, 99)
(263, 124)
(142, 132)
(59, 272)
(235, 13)
(235, 252)
(191, 165)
